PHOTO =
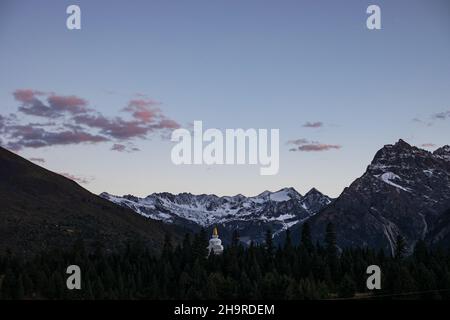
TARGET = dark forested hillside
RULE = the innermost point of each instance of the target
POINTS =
(40, 210)
(184, 271)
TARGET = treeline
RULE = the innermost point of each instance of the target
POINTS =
(185, 271)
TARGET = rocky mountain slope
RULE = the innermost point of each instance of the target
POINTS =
(404, 191)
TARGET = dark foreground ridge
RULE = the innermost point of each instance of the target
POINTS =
(41, 210)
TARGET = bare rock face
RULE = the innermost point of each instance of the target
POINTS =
(404, 191)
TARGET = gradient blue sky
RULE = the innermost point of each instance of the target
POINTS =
(231, 64)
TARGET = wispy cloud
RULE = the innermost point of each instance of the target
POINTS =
(428, 145)
(305, 145)
(441, 115)
(124, 148)
(298, 141)
(444, 115)
(316, 124)
(318, 147)
(39, 160)
(78, 179)
(117, 128)
(29, 136)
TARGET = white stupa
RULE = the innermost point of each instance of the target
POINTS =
(215, 244)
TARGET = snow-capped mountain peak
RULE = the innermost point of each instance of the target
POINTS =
(404, 191)
(443, 153)
(314, 201)
(277, 210)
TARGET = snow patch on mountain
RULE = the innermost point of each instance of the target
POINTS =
(281, 195)
(388, 178)
(280, 210)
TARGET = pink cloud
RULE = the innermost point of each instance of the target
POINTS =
(72, 104)
(116, 128)
(143, 103)
(93, 120)
(72, 122)
(145, 115)
(78, 179)
(127, 129)
(123, 130)
(55, 107)
(144, 109)
(26, 95)
(167, 124)
(428, 145)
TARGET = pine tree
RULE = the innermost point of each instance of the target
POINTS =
(306, 240)
(288, 241)
(421, 252)
(330, 240)
(235, 239)
(200, 245)
(332, 258)
(211, 289)
(292, 290)
(402, 281)
(400, 247)
(347, 287)
(269, 243)
(245, 286)
(168, 247)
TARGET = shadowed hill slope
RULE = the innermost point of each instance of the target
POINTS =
(40, 210)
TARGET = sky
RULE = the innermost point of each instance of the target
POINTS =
(99, 104)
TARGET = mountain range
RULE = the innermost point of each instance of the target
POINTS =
(405, 191)
(251, 216)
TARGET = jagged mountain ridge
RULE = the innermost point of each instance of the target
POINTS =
(278, 210)
(404, 191)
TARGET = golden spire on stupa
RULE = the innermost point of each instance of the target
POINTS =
(215, 244)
